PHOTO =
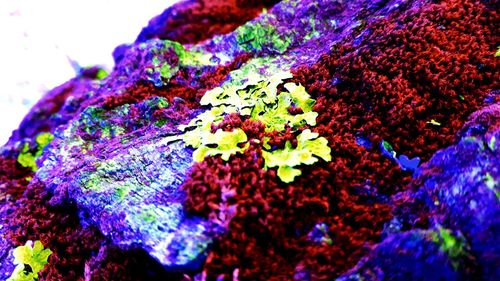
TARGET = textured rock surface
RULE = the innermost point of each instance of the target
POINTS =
(407, 256)
(133, 195)
(461, 187)
(202, 157)
(6, 258)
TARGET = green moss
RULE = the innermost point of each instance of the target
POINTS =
(101, 74)
(186, 58)
(387, 147)
(167, 71)
(492, 184)
(161, 122)
(313, 33)
(155, 61)
(455, 247)
(30, 259)
(149, 215)
(122, 191)
(27, 157)
(95, 181)
(492, 142)
(162, 102)
(262, 35)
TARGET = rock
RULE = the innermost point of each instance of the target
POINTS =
(6, 257)
(133, 194)
(116, 175)
(460, 186)
(412, 255)
(6, 247)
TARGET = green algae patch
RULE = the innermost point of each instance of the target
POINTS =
(27, 157)
(454, 246)
(263, 35)
(99, 123)
(168, 57)
(492, 185)
(101, 74)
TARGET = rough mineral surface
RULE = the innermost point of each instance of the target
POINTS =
(269, 140)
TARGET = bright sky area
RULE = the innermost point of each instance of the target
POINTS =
(38, 37)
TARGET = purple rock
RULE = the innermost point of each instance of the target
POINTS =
(132, 194)
(406, 256)
(461, 187)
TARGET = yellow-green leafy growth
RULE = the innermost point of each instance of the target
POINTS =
(27, 158)
(309, 148)
(258, 99)
(276, 117)
(30, 259)
(221, 143)
(433, 122)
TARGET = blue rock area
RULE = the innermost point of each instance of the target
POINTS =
(459, 188)
(133, 195)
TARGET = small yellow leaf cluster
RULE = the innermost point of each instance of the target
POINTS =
(259, 100)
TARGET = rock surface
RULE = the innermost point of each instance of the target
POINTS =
(313, 140)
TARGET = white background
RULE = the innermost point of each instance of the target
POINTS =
(38, 36)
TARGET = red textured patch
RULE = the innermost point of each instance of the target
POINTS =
(178, 87)
(13, 178)
(195, 21)
(58, 228)
(436, 63)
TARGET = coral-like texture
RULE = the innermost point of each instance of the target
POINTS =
(265, 140)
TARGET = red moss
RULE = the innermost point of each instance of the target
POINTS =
(195, 21)
(76, 251)
(14, 178)
(179, 87)
(230, 122)
(408, 70)
(58, 228)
